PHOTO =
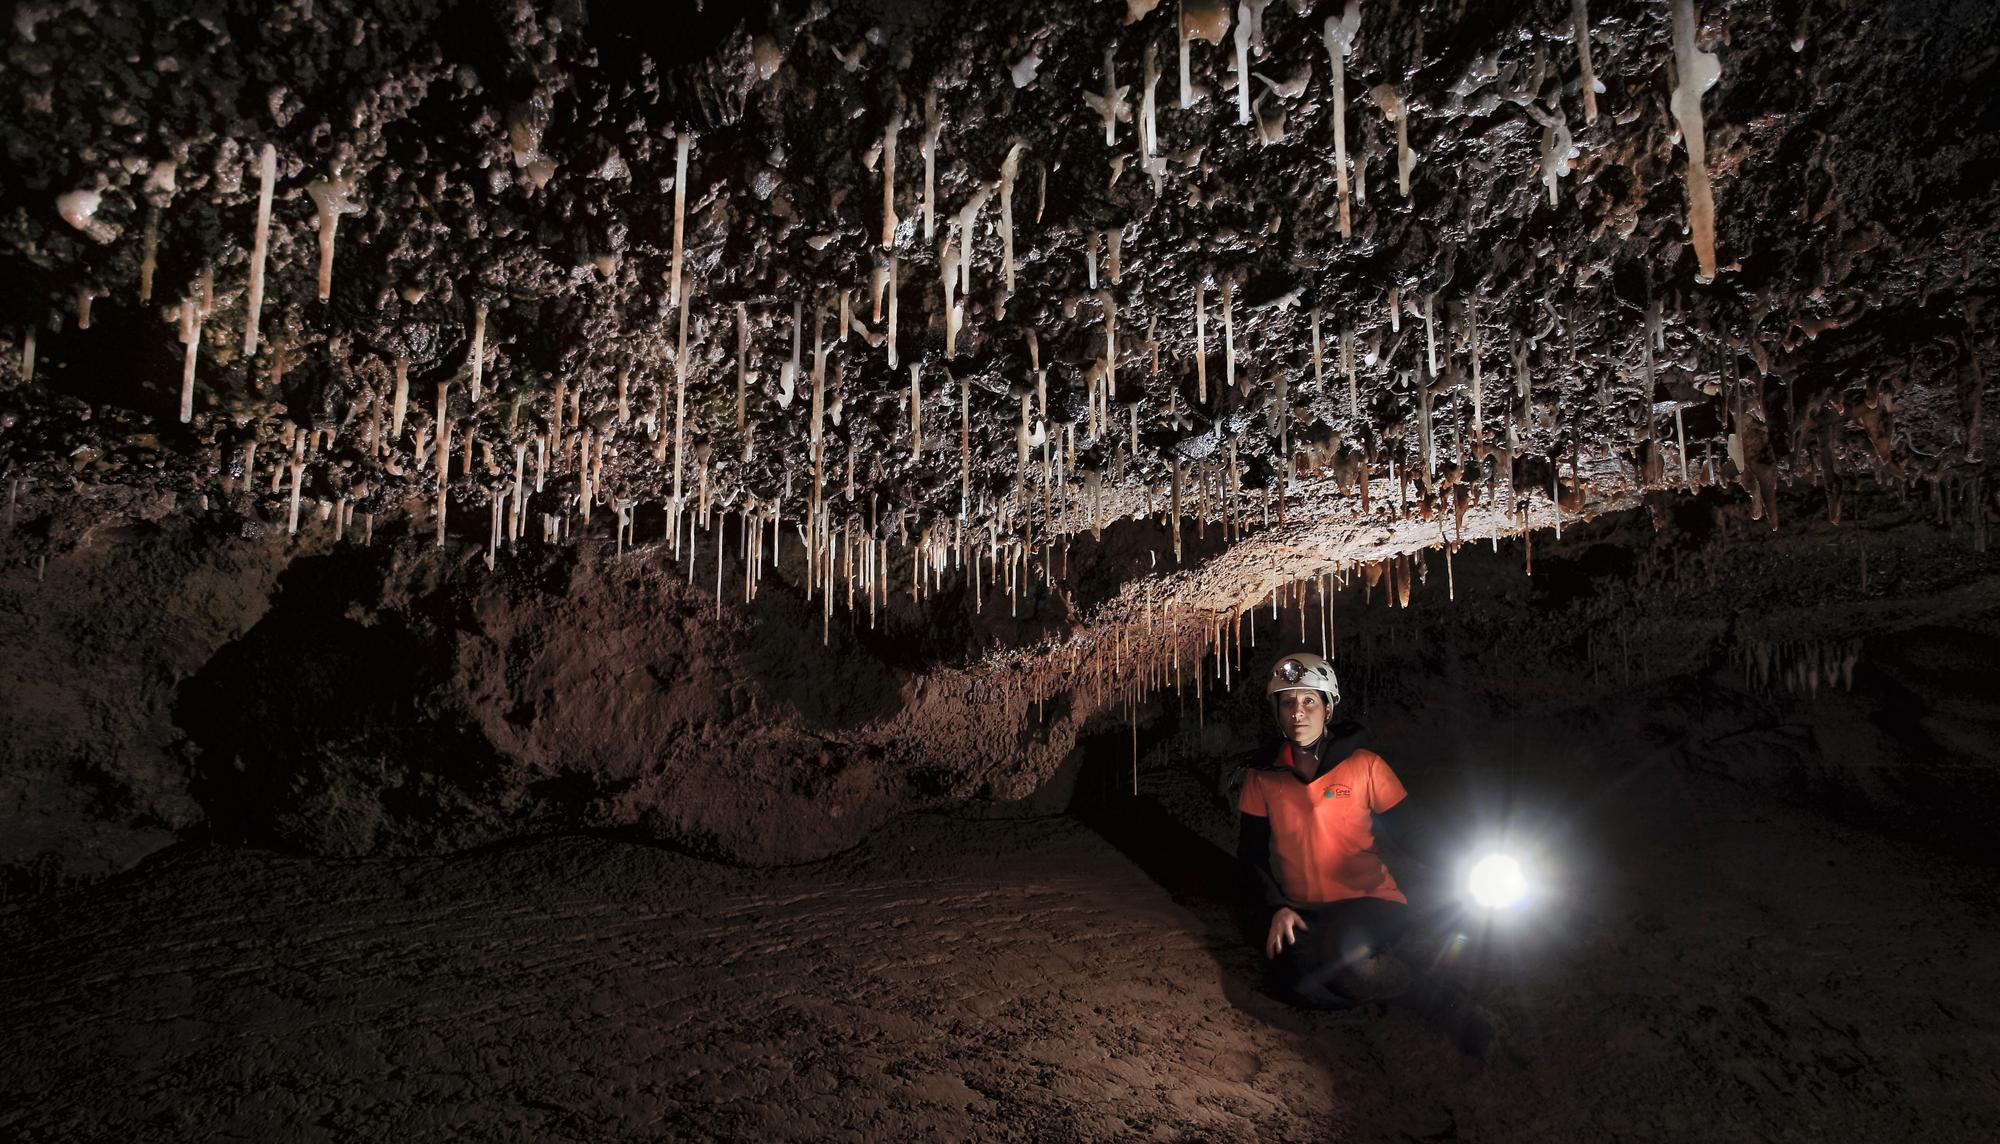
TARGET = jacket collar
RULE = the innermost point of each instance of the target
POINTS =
(1335, 744)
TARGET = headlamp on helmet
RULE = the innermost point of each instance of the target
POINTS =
(1304, 671)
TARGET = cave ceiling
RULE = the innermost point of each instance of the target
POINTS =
(890, 296)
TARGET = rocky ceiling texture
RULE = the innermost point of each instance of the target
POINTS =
(1026, 323)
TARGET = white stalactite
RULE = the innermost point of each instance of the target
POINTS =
(1339, 39)
(401, 401)
(1010, 168)
(682, 139)
(1580, 17)
(478, 351)
(889, 133)
(267, 174)
(1695, 72)
(1242, 63)
(331, 198)
(930, 163)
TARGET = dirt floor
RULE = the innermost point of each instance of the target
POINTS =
(1709, 965)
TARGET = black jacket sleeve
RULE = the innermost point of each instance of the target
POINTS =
(1253, 860)
(1412, 831)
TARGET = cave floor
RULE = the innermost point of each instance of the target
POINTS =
(1731, 969)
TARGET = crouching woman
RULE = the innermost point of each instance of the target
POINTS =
(1334, 918)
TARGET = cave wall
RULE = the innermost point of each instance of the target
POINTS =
(94, 771)
(173, 678)
(180, 675)
(427, 704)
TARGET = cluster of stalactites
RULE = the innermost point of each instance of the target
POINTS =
(1072, 494)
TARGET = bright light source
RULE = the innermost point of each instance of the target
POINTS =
(1497, 882)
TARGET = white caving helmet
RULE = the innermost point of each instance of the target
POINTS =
(1303, 671)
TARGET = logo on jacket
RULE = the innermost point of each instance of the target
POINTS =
(1338, 792)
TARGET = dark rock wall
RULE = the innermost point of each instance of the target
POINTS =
(1849, 669)
(94, 771)
(167, 680)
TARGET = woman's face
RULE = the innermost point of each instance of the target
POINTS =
(1301, 716)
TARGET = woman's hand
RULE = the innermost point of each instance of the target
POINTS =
(1286, 925)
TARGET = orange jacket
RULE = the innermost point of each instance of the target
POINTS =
(1321, 838)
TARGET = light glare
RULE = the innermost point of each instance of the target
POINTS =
(1497, 882)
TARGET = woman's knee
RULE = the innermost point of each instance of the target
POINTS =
(1375, 976)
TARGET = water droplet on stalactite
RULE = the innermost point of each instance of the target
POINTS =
(1023, 70)
(1557, 151)
(79, 209)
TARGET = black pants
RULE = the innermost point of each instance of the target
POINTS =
(1368, 949)
(1347, 955)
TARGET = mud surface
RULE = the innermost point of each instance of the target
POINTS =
(1712, 965)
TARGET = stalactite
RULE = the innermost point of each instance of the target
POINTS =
(1200, 340)
(1110, 304)
(930, 162)
(478, 351)
(297, 467)
(742, 368)
(889, 133)
(1695, 71)
(267, 174)
(1347, 367)
(1397, 112)
(1228, 335)
(1580, 19)
(190, 318)
(680, 392)
(683, 138)
(890, 340)
(1242, 39)
(331, 198)
(1338, 35)
(1110, 105)
(1010, 168)
(400, 402)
